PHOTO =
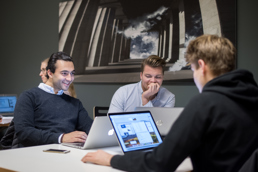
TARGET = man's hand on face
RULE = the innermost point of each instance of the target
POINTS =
(150, 93)
(75, 136)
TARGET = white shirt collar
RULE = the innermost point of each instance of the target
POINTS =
(140, 87)
(49, 89)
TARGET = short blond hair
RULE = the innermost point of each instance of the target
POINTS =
(217, 52)
(153, 61)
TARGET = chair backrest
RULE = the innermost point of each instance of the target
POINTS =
(10, 139)
(100, 111)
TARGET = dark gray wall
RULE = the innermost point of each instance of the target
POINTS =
(29, 34)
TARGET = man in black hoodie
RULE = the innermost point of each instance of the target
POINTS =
(218, 129)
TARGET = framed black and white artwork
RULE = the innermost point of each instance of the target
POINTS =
(108, 39)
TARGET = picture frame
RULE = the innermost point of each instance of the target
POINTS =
(108, 39)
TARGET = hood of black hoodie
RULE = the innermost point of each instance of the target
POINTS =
(238, 85)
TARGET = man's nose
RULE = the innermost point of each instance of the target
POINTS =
(153, 79)
(69, 77)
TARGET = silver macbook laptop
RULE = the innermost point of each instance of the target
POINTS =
(7, 104)
(135, 130)
(100, 135)
(164, 117)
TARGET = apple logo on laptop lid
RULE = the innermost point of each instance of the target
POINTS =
(159, 122)
(111, 132)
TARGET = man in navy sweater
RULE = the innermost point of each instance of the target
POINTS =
(218, 128)
(45, 115)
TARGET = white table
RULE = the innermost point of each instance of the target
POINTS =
(33, 159)
(5, 121)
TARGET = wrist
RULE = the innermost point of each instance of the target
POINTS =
(109, 160)
(144, 100)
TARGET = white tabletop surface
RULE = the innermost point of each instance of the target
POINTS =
(33, 159)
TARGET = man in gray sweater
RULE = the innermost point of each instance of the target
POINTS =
(45, 115)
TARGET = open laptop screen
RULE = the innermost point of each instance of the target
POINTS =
(7, 103)
(135, 130)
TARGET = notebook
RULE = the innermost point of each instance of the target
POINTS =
(7, 104)
(164, 117)
(100, 135)
(135, 130)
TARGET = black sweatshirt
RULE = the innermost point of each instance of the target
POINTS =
(218, 129)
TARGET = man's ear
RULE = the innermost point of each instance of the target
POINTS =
(202, 66)
(49, 73)
(141, 75)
